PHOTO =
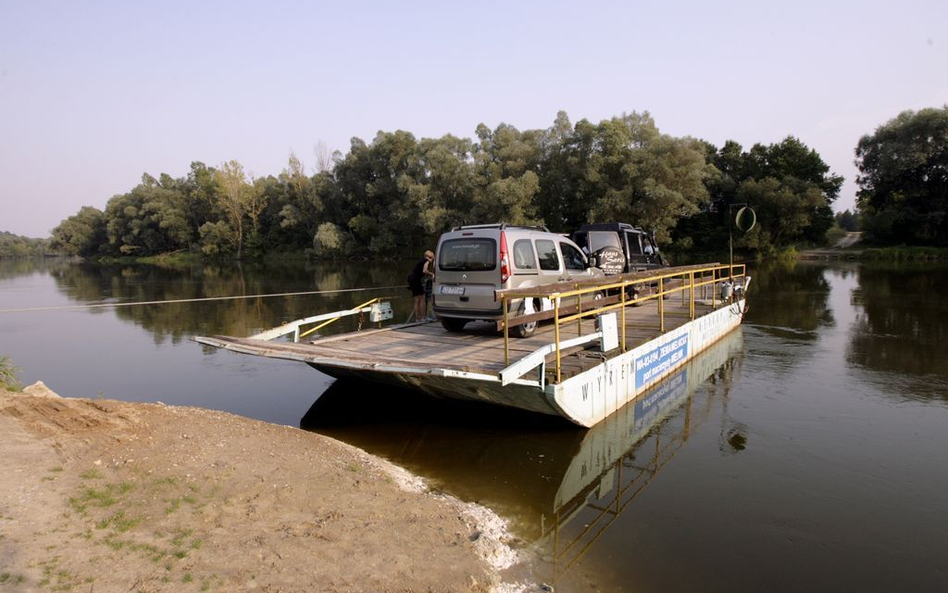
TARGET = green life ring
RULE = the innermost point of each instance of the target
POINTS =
(745, 219)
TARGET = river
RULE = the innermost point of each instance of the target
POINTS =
(806, 451)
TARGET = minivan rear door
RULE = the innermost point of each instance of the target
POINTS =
(467, 274)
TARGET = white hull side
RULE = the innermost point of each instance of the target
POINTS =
(591, 396)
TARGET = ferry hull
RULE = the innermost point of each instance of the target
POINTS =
(463, 386)
(585, 399)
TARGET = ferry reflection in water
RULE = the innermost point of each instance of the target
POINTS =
(562, 486)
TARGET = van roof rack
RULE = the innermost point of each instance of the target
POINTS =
(501, 226)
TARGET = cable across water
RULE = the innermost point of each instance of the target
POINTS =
(197, 300)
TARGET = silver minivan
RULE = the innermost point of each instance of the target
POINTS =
(474, 261)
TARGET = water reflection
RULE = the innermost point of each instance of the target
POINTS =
(541, 472)
(901, 328)
(14, 268)
(177, 321)
(792, 298)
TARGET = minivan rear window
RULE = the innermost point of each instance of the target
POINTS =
(468, 255)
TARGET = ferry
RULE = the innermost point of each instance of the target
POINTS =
(600, 344)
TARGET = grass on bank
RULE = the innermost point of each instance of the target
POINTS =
(8, 373)
(124, 517)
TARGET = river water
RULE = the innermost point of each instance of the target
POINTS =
(806, 451)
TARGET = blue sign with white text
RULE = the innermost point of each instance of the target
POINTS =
(649, 406)
(652, 364)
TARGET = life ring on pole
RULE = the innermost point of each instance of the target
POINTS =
(745, 219)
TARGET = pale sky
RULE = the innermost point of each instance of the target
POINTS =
(93, 94)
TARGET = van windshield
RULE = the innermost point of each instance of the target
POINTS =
(468, 255)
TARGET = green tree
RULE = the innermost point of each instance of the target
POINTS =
(200, 190)
(217, 238)
(784, 212)
(82, 234)
(299, 203)
(151, 218)
(443, 192)
(374, 182)
(847, 220)
(903, 179)
(329, 240)
(567, 182)
(239, 200)
(647, 177)
(504, 182)
(802, 168)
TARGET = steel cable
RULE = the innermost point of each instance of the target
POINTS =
(196, 300)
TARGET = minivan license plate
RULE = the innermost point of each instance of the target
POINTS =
(452, 290)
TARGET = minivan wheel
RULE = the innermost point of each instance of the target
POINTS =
(524, 331)
(453, 324)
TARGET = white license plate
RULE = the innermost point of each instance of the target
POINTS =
(452, 290)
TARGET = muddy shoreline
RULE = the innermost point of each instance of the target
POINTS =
(102, 495)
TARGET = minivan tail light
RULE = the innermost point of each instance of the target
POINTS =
(504, 260)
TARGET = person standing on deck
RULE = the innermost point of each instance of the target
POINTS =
(416, 283)
(428, 281)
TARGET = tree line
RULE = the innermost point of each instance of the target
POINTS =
(395, 195)
(18, 246)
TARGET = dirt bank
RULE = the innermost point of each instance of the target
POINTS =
(99, 496)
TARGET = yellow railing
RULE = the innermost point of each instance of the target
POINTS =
(353, 310)
(684, 280)
(323, 320)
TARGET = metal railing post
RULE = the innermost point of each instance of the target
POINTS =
(661, 303)
(691, 293)
(714, 288)
(503, 303)
(556, 334)
(579, 311)
(624, 285)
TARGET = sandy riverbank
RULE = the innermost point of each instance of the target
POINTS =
(100, 496)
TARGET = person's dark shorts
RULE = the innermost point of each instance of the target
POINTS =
(416, 289)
